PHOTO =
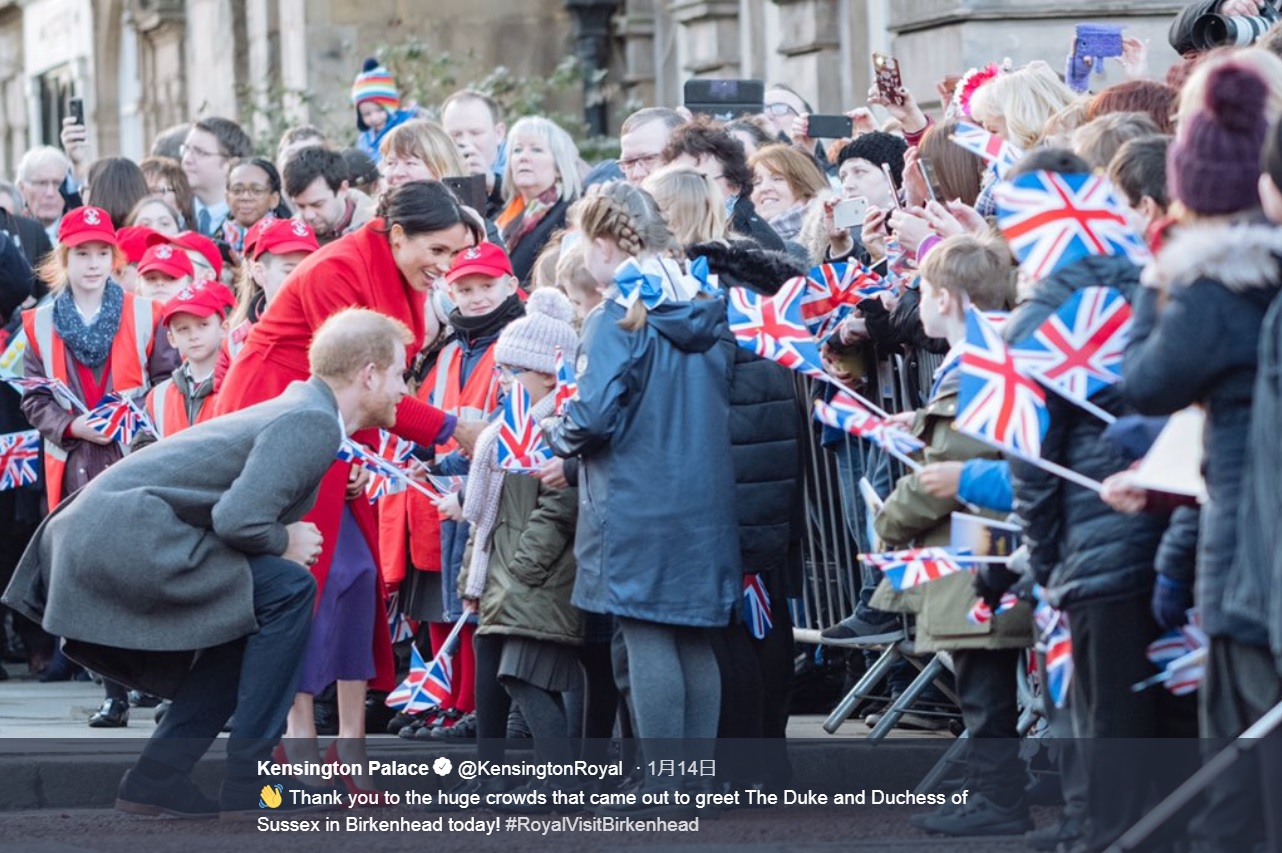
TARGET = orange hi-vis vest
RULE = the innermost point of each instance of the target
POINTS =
(410, 512)
(171, 415)
(130, 352)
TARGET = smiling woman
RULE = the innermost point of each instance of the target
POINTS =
(784, 182)
(388, 265)
(541, 181)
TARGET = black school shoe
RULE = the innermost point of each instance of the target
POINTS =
(245, 798)
(174, 796)
(114, 714)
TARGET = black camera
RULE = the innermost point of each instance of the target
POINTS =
(1213, 30)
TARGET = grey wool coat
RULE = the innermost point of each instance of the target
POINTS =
(150, 562)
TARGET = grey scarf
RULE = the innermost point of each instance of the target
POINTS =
(90, 344)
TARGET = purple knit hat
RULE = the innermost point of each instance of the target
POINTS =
(1214, 164)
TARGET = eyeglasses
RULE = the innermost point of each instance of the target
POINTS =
(780, 109)
(163, 190)
(508, 373)
(251, 190)
(198, 153)
(645, 160)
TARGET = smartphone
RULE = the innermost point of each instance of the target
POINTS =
(932, 180)
(890, 182)
(470, 190)
(889, 82)
(725, 100)
(830, 127)
(78, 110)
(850, 213)
(1098, 40)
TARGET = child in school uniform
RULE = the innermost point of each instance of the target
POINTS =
(164, 270)
(195, 322)
(96, 339)
(422, 544)
(519, 569)
(961, 272)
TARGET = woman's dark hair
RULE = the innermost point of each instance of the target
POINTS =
(1059, 160)
(422, 207)
(701, 137)
(116, 184)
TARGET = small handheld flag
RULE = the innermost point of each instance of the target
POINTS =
(566, 384)
(1079, 348)
(844, 412)
(19, 452)
(57, 387)
(1052, 220)
(119, 419)
(914, 567)
(982, 614)
(520, 442)
(832, 291)
(756, 606)
(997, 403)
(773, 328)
(425, 686)
(995, 151)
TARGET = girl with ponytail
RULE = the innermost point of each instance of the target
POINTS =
(657, 542)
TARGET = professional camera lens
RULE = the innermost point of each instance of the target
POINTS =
(1240, 30)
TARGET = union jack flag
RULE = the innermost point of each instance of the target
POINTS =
(387, 477)
(914, 567)
(520, 443)
(425, 687)
(566, 384)
(997, 403)
(773, 328)
(119, 419)
(395, 449)
(400, 626)
(443, 485)
(756, 606)
(397, 453)
(844, 412)
(1058, 646)
(57, 387)
(1181, 655)
(982, 614)
(18, 454)
(995, 150)
(1051, 220)
(832, 291)
(1079, 348)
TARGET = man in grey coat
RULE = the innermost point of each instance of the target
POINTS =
(180, 570)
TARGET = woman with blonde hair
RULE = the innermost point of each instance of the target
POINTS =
(418, 150)
(690, 202)
(540, 182)
(784, 183)
(1016, 106)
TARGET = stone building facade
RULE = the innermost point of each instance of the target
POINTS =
(144, 65)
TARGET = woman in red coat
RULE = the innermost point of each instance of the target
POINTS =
(389, 265)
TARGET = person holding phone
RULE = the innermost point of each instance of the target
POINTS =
(859, 168)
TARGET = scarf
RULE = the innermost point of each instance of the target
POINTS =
(488, 325)
(89, 344)
(484, 488)
(788, 224)
(522, 217)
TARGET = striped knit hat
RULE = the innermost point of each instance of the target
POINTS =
(374, 83)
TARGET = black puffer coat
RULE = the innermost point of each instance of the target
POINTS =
(1080, 549)
(766, 420)
(1203, 347)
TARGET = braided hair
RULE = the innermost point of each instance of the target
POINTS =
(629, 217)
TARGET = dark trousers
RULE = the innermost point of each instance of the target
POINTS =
(1241, 686)
(986, 687)
(255, 676)
(492, 702)
(1110, 640)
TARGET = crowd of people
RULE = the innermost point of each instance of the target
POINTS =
(635, 579)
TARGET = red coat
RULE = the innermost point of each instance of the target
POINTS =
(356, 270)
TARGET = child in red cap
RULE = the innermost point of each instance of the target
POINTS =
(195, 320)
(95, 339)
(461, 380)
(164, 271)
(272, 249)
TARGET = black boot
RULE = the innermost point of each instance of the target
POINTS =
(114, 714)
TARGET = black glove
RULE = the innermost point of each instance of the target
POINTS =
(1171, 600)
(991, 582)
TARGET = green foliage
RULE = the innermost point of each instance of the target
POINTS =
(428, 77)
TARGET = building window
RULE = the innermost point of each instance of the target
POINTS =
(55, 102)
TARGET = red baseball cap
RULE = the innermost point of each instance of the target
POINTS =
(134, 240)
(168, 259)
(85, 225)
(200, 243)
(203, 300)
(285, 236)
(482, 259)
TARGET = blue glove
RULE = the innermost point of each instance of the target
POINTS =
(1171, 601)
